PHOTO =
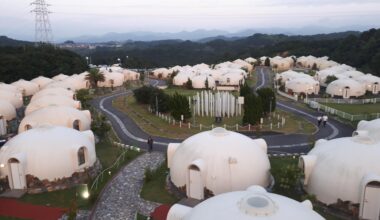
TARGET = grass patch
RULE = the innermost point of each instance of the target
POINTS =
(156, 126)
(154, 187)
(107, 154)
(356, 109)
(141, 217)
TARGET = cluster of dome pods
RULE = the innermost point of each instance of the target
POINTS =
(223, 74)
(54, 140)
(349, 83)
(347, 169)
(223, 164)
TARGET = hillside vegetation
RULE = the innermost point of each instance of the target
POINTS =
(359, 50)
(28, 62)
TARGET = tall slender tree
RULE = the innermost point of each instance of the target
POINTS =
(94, 76)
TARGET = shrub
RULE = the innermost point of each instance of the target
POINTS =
(189, 84)
(268, 99)
(330, 79)
(179, 105)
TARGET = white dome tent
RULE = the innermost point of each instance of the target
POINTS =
(181, 78)
(61, 84)
(162, 73)
(9, 88)
(347, 169)
(47, 153)
(27, 88)
(112, 79)
(370, 82)
(345, 88)
(52, 92)
(7, 114)
(302, 85)
(253, 203)
(130, 75)
(51, 100)
(42, 81)
(251, 60)
(60, 77)
(59, 116)
(14, 98)
(218, 161)
(199, 82)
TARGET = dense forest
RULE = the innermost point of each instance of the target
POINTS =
(361, 50)
(27, 62)
(19, 59)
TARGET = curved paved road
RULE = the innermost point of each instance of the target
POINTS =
(131, 134)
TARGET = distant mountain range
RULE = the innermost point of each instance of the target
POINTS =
(206, 35)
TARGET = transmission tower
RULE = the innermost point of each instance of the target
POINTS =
(43, 32)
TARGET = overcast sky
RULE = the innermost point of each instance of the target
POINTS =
(71, 18)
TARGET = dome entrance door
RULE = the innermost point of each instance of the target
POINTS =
(371, 201)
(195, 184)
(346, 92)
(16, 176)
(3, 126)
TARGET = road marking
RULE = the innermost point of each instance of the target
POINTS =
(335, 130)
(120, 123)
(263, 79)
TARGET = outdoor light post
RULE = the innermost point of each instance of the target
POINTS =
(87, 60)
(118, 60)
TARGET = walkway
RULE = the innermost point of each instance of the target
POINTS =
(120, 199)
(16, 209)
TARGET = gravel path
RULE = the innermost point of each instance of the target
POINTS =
(121, 197)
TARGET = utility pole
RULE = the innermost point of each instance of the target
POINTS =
(43, 32)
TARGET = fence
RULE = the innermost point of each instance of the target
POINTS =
(116, 164)
(345, 101)
(278, 122)
(342, 114)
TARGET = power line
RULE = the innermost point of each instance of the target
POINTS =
(43, 31)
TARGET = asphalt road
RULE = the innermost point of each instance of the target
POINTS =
(131, 134)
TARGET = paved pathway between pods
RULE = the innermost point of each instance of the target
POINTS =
(121, 197)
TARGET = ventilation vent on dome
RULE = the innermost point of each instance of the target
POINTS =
(258, 205)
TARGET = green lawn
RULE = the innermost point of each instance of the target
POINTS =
(107, 154)
(356, 109)
(156, 126)
(154, 190)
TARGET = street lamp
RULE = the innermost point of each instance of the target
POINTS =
(118, 60)
(87, 60)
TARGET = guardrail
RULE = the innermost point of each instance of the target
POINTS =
(341, 114)
(345, 101)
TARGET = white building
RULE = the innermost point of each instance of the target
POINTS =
(27, 88)
(47, 153)
(347, 169)
(162, 73)
(15, 98)
(7, 114)
(53, 92)
(59, 116)
(370, 82)
(42, 81)
(253, 203)
(51, 100)
(112, 79)
(60, 77)
(199, 82)
(345, 88)
(302, 85)
(218, 161)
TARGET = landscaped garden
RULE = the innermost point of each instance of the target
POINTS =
(156, 126)
(356, 109)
